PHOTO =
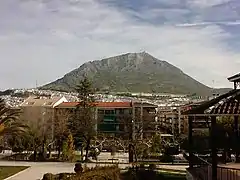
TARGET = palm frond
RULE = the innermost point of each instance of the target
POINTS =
(9, 117)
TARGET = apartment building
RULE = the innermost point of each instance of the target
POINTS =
(116, 118)
(173, 121)
(146, 118)
(39, 110)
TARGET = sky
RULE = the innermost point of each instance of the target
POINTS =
(41, 40)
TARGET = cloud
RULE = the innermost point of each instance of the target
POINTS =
(44, 39)
(206, 3)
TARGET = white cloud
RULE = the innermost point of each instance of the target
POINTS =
(206, 3)
(59, 36)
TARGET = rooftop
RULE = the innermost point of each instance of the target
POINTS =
(228, 103)
(145, 104)
(40, 101)
(235, 78)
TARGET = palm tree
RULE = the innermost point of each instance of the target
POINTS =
(9, 120)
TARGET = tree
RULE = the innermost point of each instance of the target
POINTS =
(9, 120)
(156, 144)
(61, 130)
(83, 120)
(68, 149)
(37, 137)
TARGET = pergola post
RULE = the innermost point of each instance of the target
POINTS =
(236, 132)
(214, 147)
(235, 85)
(190, 140)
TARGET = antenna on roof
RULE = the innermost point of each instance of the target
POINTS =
(36, 84)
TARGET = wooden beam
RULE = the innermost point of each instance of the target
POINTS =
(235, 85)
(190, 141)
(209, 115)
(214, 147)
(236, 131)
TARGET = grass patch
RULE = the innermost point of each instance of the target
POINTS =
(172, 175)
(7, 171)
(146, 174)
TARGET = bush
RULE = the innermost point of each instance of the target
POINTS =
(152, 166)
(94, 153)
(48, 176)
(97, 173)
(166, 158)
(78, 168)
(68, 153)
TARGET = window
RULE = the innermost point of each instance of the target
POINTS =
(108, 119)
(30, 103)
(109, 112)
(130, 111)
(121, 111)
(100, 111)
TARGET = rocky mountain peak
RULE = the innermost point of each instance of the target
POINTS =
(132, 72)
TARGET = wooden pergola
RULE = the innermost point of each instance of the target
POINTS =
(224, 105)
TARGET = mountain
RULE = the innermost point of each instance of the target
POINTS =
(132, 72)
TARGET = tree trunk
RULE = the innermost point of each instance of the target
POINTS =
(135, 153)
(82, 153)
(87, 148)
(49, 152)
(59, 148)
(59, 151)
(43, 153)
(35, 155)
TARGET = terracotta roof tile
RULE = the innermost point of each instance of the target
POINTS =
(230, 105)
(113, 104)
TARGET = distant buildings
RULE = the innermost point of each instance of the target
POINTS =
(115, 114)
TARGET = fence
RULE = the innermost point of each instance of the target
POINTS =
(202, 170)
(228, 173)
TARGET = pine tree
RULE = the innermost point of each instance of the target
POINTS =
(82, 122)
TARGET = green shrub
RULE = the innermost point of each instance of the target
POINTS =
(152, 166)
(78, 168)
(97, 173)
(48, 176)
(63, 176)
(167, 158)
(68, 153)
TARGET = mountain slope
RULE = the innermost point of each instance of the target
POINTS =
(132, 72)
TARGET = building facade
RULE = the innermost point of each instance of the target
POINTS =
(116, 118)
(38, 112)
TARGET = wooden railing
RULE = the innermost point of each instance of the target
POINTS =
(202, 170)
(227, 173)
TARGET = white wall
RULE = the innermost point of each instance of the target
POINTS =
(63, 99)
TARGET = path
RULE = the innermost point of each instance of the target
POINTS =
(37, 170)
